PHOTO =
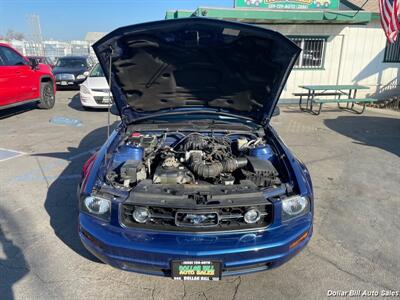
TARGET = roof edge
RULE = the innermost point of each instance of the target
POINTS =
(269, 16)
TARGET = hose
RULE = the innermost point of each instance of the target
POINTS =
(213, 169)
(231, 164)
(205, 169)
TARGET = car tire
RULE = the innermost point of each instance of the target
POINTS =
(47, 97)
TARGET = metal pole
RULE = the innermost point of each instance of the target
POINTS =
(109, 95)
(340, 60)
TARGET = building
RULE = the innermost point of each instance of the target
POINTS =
(55, 49)
(91, 38)
(342, 42)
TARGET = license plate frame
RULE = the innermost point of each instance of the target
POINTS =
(106, 100)
(196, 270)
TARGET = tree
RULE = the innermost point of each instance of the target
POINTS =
(19, 36)
(13, 35)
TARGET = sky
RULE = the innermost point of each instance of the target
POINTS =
(71, 19)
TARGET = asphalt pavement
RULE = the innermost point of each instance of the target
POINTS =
(354, 161)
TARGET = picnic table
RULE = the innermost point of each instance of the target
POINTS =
(348, 90)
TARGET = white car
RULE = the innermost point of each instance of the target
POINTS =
(94, 91)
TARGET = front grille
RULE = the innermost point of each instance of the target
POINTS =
(200, 220)
(102, 99)
(226, 271)
(64, 76)
(105, 91)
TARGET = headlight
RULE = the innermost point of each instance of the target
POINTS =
(294, 206)
(81, 76)
(84, 89)
(97, 206)
(86, 73)
(141, 214)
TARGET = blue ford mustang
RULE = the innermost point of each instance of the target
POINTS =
(195, 183)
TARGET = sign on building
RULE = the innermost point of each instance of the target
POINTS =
(290, 4)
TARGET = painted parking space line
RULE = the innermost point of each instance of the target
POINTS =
(41, 173)
(6, 154)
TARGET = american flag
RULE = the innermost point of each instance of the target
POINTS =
(389, 18)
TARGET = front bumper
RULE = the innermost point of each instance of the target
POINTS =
(88, 100)
(151, 252)
(69, 83)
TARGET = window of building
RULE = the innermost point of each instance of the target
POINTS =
(312, 55)
(392, 52)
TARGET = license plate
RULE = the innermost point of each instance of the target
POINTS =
(106, 100)
(195, 270)
(64, 83)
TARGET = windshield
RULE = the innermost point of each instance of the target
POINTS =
(96, 71)
(71, 63)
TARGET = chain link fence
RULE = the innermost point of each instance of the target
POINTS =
(53, 49)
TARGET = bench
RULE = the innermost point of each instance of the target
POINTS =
(348, 101)
(318, 94)
(301, 95)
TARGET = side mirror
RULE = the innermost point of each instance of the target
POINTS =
(114, 110)
(34, 63)
(276, 112)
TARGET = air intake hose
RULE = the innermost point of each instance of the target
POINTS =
(213, 169)
(205, 169)
(231, 164)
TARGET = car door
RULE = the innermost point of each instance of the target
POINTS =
(9, 86)
(23, 77)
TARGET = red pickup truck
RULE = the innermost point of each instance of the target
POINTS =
(22, 81)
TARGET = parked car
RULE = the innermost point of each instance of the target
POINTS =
(195, 183)
(70, 71)
(22, 81)
(42, 60)
(94, 91)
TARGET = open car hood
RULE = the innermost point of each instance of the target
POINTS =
(196, 64)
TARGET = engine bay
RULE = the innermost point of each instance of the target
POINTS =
(193, 159)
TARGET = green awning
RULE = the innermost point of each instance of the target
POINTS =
(272, 16)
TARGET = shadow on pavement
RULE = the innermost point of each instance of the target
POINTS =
(380, 132)
(330, 108)
(20, 109)
(75, 103)
(14, 266)
(61, 202)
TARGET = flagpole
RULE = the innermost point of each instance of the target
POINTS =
(360, 8)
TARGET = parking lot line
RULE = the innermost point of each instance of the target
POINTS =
(6, 154)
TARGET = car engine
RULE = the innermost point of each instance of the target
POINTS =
(193, 159)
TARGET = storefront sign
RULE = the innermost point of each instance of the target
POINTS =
(290, 4)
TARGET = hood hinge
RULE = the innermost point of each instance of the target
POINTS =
(124, 119)
(265, 121)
